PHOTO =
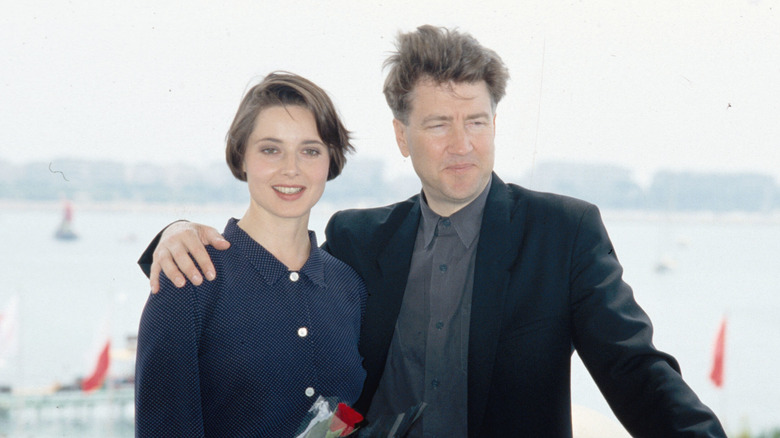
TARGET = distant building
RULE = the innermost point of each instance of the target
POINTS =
(367, 182)
(605, 185)
(719, 192)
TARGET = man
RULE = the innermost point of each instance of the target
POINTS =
(479, 291)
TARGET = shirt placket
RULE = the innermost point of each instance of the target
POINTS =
(294, 285)
(441, 306)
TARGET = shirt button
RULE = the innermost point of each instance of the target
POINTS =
(443, 268)
(302, 332)
(435, 383)
(294, 276)
(446, 222)
(439, 325)
(309, 391)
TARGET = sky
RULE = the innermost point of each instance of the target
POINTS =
(648, 85)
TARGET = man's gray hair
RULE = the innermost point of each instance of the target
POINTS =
(440, 55)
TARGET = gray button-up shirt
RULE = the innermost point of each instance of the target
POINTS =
(428, 357)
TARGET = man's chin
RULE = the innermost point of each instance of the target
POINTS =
(465, 189)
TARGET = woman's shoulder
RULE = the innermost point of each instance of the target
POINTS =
(233, 234)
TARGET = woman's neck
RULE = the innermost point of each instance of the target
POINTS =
(286, 239)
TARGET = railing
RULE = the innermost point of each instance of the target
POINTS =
(105, 413)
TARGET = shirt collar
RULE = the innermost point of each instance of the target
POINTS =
(268, 266)
(465, 221)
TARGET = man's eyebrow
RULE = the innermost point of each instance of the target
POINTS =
(436, 118)
(441, 118)
(478, 116)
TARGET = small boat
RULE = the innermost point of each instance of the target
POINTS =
(665, 264)
(65, 230)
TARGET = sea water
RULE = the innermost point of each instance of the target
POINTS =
(74, 294)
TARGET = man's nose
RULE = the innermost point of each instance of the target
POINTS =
(460, 141)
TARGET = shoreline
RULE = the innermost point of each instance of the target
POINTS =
(119, 206)
(741, 217)
(726, 217)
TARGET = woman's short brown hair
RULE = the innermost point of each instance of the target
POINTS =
(441, 55)
(282, 89)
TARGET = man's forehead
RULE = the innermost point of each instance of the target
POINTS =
(453, 88)
(438, 93)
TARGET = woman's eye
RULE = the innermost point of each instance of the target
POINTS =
(268, 150)
(312, 152)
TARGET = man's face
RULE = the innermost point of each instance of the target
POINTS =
(449, 136)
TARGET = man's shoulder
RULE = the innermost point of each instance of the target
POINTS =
(340, 271)
(551, 203)
(380, 214)
(357, 235)
(363, 221)
(335, 266)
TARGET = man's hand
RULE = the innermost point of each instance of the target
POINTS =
(179, 244)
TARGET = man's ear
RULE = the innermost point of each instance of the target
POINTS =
(400, 137)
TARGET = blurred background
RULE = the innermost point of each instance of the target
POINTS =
(112, 125)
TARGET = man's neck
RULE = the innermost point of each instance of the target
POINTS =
(446, 208)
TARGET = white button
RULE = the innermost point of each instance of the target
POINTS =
(302, 332)
(294, 276)
(309, 391)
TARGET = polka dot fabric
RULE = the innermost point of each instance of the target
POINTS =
(246, 355)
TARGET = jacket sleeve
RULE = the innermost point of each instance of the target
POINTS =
(145, 261)
(613, 336)
(167, 378)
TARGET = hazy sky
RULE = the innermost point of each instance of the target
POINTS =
(644, 84)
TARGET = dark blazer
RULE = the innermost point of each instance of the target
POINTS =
(547, 281)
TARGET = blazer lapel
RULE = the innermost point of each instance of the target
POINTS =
(499, 244)
(386, 291)
(393, 264)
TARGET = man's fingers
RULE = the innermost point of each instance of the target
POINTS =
(181, 246)
(154, 277)
(170, 268)
(201, 256)
(182, 264)
(210, 236)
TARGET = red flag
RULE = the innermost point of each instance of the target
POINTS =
(95, 380)
(9, 330)
(716, 375)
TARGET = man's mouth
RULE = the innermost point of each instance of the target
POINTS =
(460, 166)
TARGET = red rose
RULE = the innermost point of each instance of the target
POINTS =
(346, 418)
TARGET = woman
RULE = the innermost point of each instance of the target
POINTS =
(249, 353)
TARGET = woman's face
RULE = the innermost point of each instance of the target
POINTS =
(286, 163)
